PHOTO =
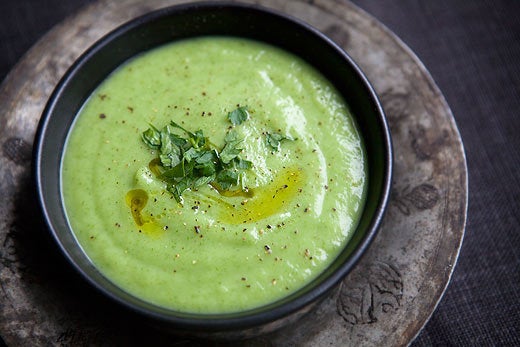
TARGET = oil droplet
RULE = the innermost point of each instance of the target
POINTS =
(154, 165)
(136, 200)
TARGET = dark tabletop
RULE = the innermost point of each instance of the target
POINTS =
(472, 50)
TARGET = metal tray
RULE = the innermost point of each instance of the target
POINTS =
(386, 300)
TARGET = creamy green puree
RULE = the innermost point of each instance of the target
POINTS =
(215, 252)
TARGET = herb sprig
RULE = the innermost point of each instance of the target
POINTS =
(189, 160)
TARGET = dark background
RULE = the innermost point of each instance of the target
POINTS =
(472, 49)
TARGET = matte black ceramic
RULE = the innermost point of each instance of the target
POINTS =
(215, 18)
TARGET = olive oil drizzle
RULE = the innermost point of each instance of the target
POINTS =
(136, 199)
(245, 192)
(255, 203)
(154, 165)
(266, 200)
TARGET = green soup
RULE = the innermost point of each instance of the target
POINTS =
(216, 252)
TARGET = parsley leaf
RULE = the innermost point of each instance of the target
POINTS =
(227, 178)
(239, 115)
(152, 137)
(273, 140)
(231, 149)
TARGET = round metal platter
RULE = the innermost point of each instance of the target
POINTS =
(390, 294)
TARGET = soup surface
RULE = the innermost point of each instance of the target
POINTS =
(215, 250)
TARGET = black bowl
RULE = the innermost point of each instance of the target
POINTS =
(215, 18)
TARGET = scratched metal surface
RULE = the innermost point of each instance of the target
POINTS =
(384, 301)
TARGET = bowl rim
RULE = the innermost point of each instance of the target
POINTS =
(240, 319)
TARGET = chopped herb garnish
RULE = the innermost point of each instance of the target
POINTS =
(239, 115)
(273, 140)
(152, 137)
(189, 160)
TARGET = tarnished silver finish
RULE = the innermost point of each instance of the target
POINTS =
(386, 299)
